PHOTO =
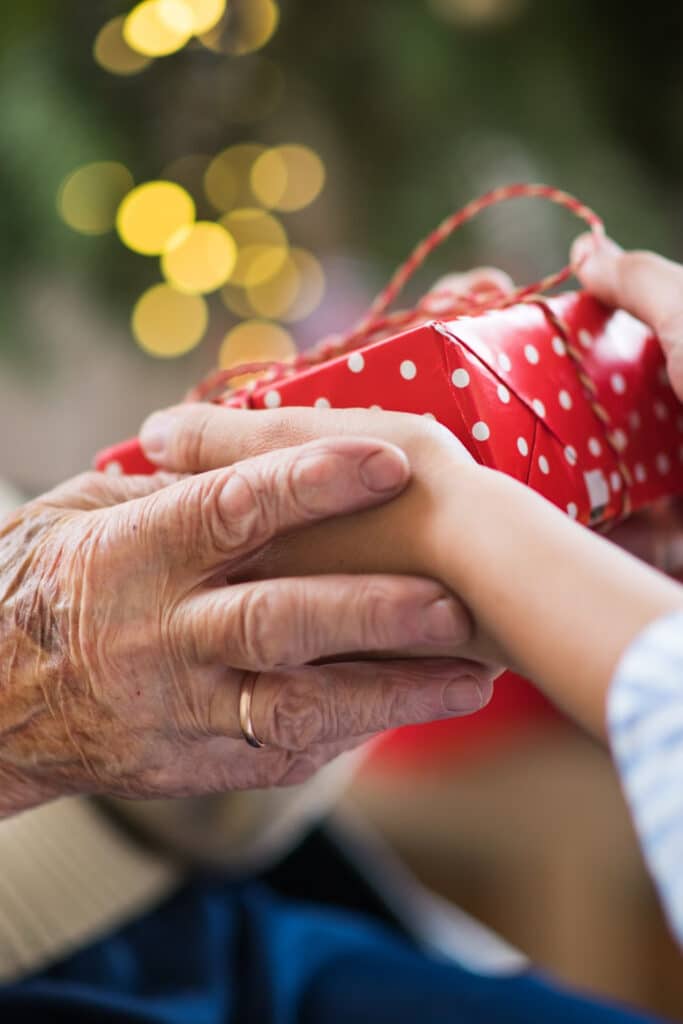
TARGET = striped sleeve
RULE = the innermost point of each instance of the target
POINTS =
(645, 723)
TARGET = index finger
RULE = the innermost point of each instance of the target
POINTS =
(201, 436)
(646, 285)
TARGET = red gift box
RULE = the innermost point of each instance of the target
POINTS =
(506, 385)
(564, 394)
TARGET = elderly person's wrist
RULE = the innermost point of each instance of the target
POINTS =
(32, 684)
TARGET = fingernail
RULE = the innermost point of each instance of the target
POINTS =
(385, 470)
(582, 248)
(155, 434)
(465, 695)
(588, 247)
(445, 620)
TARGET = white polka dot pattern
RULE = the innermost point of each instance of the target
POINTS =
(663, 463)
(515, 398)
(620, 439)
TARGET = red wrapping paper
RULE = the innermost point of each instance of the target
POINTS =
(505, 384)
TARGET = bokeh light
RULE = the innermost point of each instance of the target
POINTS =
(250, 24)
(227, 181)
(112, 52)
(255, 341)
(156, 28)
(287, 178)
(88, 198)
(292, 294)
(167, 323)
(205, 14)
(261, 242)
(200, 258)
(152, 214)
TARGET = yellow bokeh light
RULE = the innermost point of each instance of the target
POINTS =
(294, 292)
(152, 214)
(275, 297)
(205, 14)
(156, 28)
(287, 177)
(255, 341)
(249, 26)
(167, 323)
(200, 258)
(261, 242)
(112, 52)
(88, 197)
(227, 181)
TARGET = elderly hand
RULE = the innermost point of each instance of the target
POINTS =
(398, 538)
(651, 288)
(126, 637)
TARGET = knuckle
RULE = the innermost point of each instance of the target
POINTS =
(236, 510)
(296, 768)
(375, 611)
(307, 480)
(258, 639)
(191, 442)
(299, 717)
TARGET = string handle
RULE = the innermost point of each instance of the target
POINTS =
(378, 321)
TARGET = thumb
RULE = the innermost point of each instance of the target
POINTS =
(646, 285)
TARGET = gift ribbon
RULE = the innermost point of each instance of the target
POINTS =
(446, 304)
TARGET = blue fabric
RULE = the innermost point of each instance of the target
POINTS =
(218, 953)
(645, 718)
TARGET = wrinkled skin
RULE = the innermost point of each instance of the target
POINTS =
(124, 641)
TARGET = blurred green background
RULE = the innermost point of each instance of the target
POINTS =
(188, 182)
(410, 107)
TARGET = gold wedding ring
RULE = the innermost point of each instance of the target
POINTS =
(246, 723)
